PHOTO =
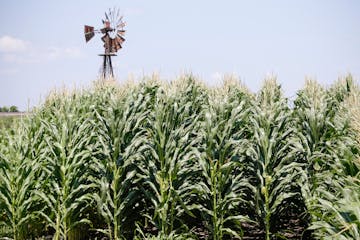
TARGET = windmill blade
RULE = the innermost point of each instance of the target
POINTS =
(110, 18)
(119, 21)
(121, 25)
(120, 39)
(113, 15)
(121, 32)
(118, 14)
(110, 15)
(88, 32)
(116, 45)
(106, 39)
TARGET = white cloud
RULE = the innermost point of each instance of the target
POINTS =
(13, 50)
(11, 44)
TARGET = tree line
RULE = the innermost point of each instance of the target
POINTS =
(9, 109)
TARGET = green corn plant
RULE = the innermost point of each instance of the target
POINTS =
(161, 161)
(324, 133)
(328, 145)
(19, 178)
(344, 98)
(272, 158)
(309, 109)
(340, 217)
(224, 135)
(120, 122)
(168, 160)
(71, 145)
(352, 103)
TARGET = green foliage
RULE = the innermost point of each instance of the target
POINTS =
(19, 171)
(7, 122)
(120, 129)
(13, 109)
(168, 161)
(276, 173)
(224, 142)
(329, 151)
(70, 149)
(4, 109)
(180, 160)
(9, 109)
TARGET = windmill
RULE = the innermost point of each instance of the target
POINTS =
(113, 36)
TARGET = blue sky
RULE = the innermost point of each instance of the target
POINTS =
(42, 46)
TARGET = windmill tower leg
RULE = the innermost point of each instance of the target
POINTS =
(111, 72)
(104, 67)
(107, 68)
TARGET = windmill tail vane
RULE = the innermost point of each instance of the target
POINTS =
(113, 38)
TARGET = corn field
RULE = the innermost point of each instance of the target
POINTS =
(181, 160)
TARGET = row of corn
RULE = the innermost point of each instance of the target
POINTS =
(181, 160)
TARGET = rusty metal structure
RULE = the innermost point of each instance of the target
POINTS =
(113, 38)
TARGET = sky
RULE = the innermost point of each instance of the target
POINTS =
(42, 44)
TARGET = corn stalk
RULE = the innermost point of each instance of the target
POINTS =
(220, 188)
(19, 176)
(120, 121)
(168, 159)
(277, 172)
(71, 145)
(329, 152)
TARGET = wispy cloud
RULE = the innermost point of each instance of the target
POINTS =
(15, 50)
(12, 44)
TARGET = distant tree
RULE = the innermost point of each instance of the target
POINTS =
(14, 109)
(1, 109)
(5, 109)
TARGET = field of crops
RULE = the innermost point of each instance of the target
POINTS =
(181, 160)
(7, 121)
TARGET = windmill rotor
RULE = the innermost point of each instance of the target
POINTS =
(113, 37)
